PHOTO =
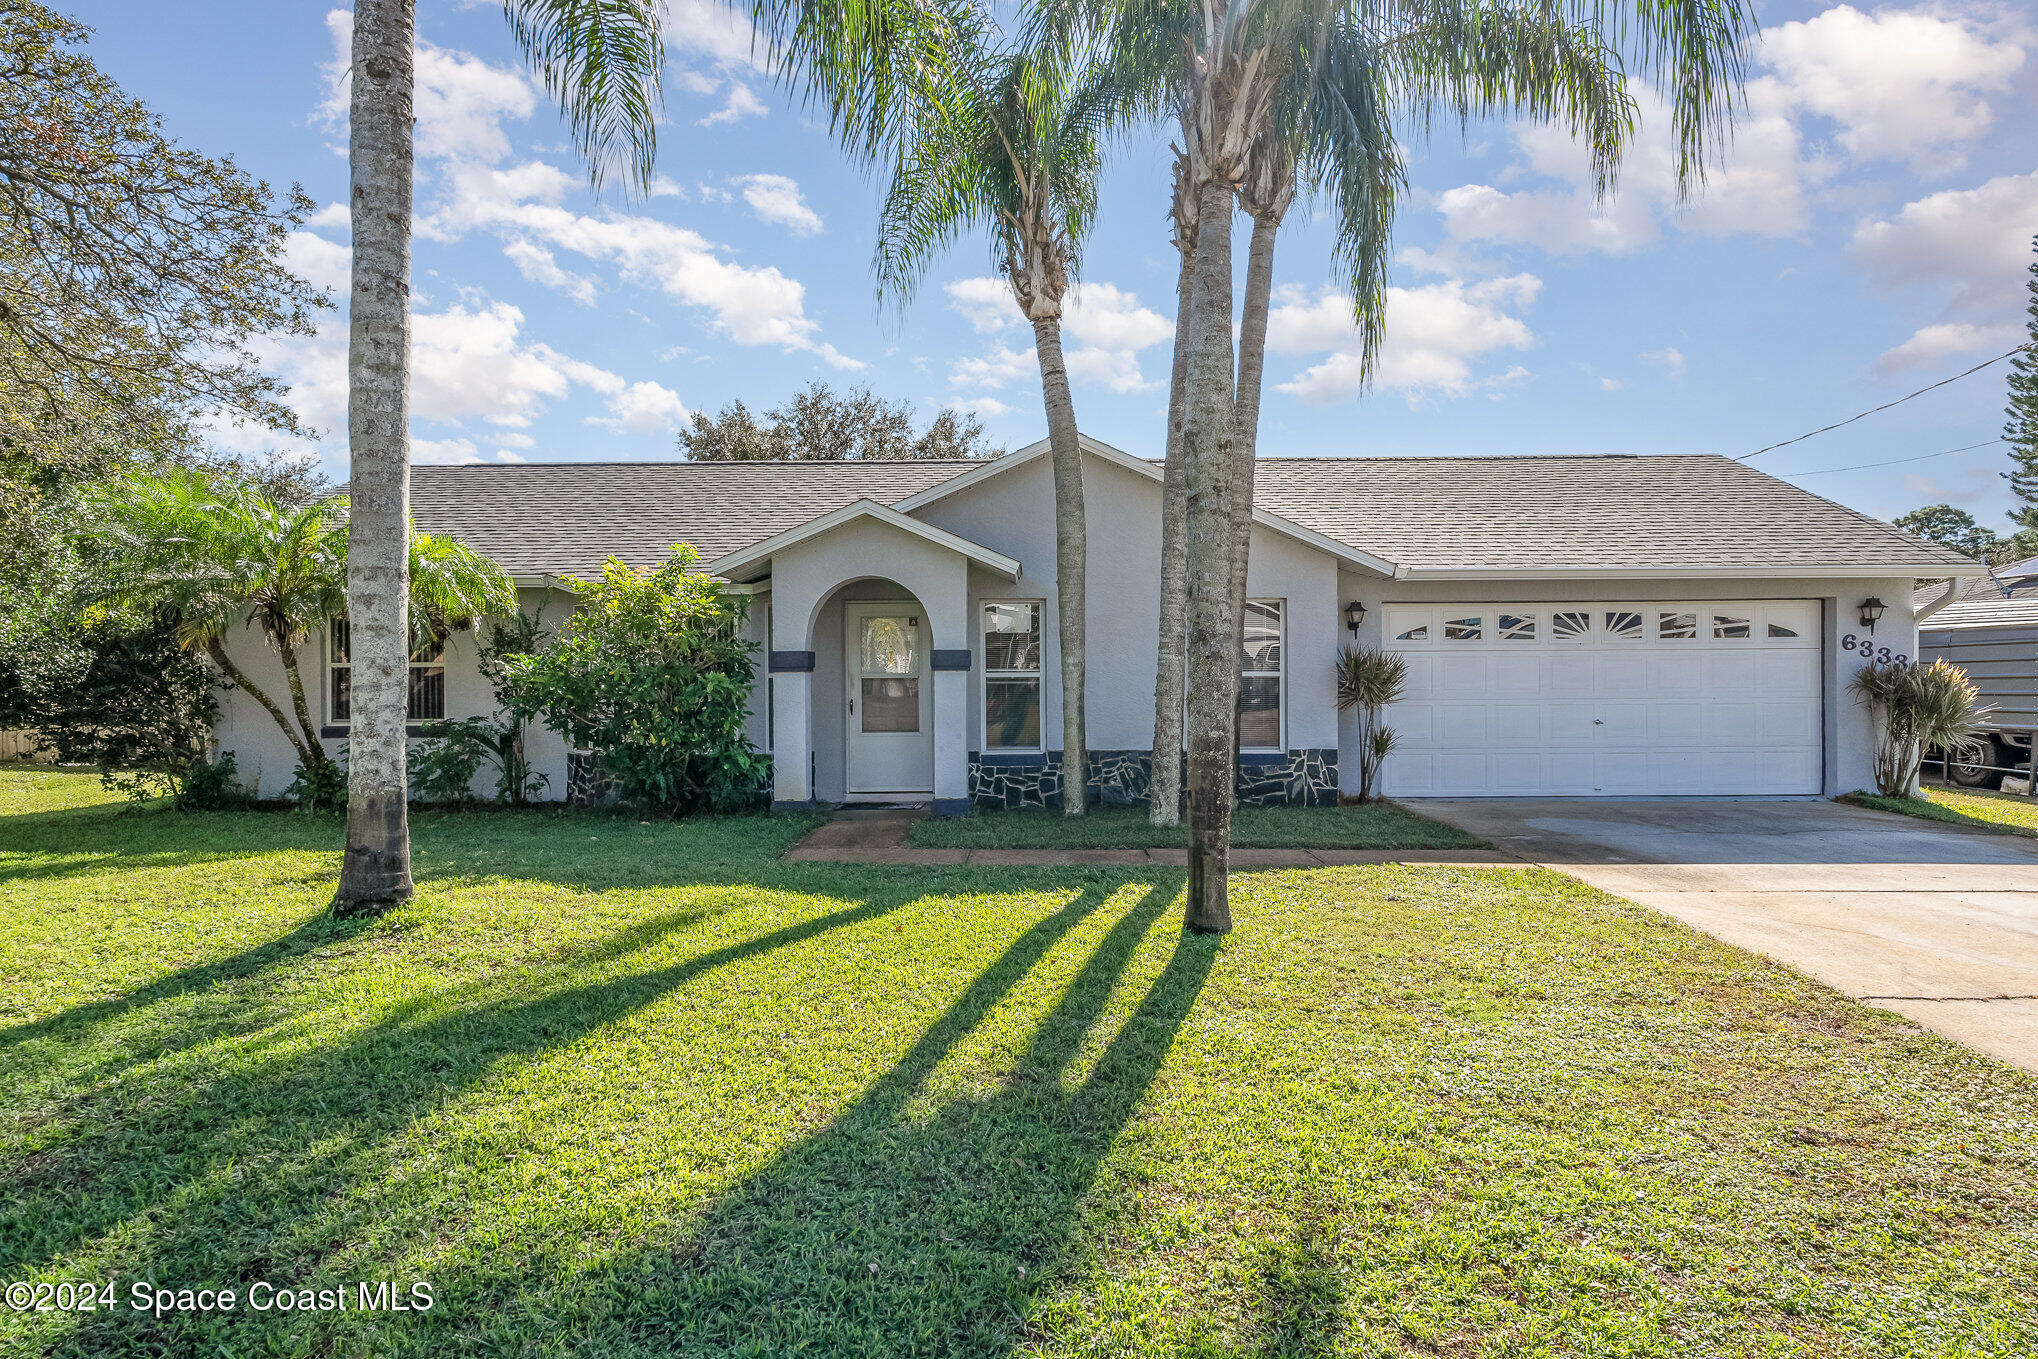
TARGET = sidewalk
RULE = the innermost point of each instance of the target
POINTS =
(883, 839)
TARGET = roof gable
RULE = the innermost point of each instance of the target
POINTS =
(748, 562)
(1342, 550)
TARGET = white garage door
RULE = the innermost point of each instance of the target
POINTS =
(1636, 700)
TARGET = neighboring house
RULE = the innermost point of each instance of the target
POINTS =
(1989, 628)
(1575, 626)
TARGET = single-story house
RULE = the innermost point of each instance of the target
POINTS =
(1575, 626)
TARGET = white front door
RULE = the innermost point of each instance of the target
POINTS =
(1642, 699)
(890, 717)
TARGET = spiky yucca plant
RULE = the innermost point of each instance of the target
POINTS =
(1918, 706)
(1367, 681)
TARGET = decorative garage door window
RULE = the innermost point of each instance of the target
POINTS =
(1608, 699)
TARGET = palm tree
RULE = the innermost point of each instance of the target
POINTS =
(602, 61)
(1272, 95)
(213, 555)
(1164, 803)
(1005, 142)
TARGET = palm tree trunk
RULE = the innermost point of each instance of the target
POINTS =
(1071, 555)
(217, 651)
(1211, 476)
(1252, 364)
(312, 751)
(1165, 808)
(375, 874)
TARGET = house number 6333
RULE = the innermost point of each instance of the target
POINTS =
(1871, 652)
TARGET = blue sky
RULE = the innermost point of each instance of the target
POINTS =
(1867, 236)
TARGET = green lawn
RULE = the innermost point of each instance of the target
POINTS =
(1380, 825)
(626, 1089)
(2010, 812)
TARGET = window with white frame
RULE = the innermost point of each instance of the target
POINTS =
(1011, 675)
(1260, 667)
(427, 678)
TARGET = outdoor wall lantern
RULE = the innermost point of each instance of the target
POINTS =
(1871, 611)
(1355, 614)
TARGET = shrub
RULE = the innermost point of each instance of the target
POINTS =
(444, 765)
(320, 787)
(652, 673)
(99, 689)
(212, 786)
(1918, 706)
(1367, 681)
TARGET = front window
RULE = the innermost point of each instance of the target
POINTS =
(1011, 676)
(427, 678)
(1259, 690)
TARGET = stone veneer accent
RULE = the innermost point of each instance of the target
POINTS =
(1119, 778)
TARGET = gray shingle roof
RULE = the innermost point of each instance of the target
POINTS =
(567, 518)
(1672, 510)
(1690, 511)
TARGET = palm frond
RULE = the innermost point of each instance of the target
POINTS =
(604, 62)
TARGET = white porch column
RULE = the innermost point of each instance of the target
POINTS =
(792, 760)
(951, 736)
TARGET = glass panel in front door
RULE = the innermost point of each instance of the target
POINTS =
(890, 646)
(889, 688)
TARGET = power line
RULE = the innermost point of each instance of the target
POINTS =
(1827, 429)
(1860, 466)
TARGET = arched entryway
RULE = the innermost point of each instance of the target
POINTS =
(873, 694)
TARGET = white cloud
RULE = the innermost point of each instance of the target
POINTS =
(995, 369)
(742, 103)
(1669, 360)
(1433, 335)
(319, 262)
(460, 100)
(985, 302)
(443, 450)
(714, 35)
(1977, 240)
(467, 362)
(988, 407)
(1759, 190)
(1104, 329)
(539, 265)
(776, 199)
(331, 217)
(643, 406)
(1935, 343)
(1900, 84)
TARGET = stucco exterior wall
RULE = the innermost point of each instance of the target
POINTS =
(265, 758)
(1014, 514)
(1849, 730)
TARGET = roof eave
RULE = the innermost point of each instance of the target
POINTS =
(1813, 572)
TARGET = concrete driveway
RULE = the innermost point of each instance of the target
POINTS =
(1939, 923)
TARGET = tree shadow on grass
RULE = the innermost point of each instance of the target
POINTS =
(889, 1233)
(967, 1213)
(306, 1133)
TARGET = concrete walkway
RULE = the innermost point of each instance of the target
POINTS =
(1936, 922)
(882, 838)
